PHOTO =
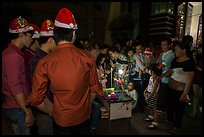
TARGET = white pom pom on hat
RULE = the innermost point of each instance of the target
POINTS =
(65, 19)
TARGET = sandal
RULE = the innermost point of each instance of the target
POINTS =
(147, 119)
(152, 126)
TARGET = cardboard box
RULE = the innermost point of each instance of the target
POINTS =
(120, 110)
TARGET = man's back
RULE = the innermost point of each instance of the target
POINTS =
(72, 74)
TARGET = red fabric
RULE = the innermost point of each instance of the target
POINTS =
(13, 76)
(18, 25)
(72, 75)
(65, 16)
(47, 25)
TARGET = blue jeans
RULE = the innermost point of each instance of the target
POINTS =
(17, 117)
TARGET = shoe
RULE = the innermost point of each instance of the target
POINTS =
(153, 125)
(159, 112)
(93, 130)
(147, 119)
(200, 109)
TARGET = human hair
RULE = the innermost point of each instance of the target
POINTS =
(187, 39)
(114, 49)
(137, 43)
(43, 40)
(33, 41)
(166, 39)
(104, 46)
(131, 82)
(99, 59)
(62, 34)
(12, 36)
(185, 46)
(78, 44)
(156, 69)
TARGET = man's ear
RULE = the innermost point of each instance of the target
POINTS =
(73, 36)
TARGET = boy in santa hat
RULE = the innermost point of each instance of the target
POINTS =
(72, 75)
(15, 86)
(47, 45)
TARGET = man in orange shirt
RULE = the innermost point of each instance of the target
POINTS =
(73, 80)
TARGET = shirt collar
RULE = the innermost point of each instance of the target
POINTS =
(64, 45)
(167, 52)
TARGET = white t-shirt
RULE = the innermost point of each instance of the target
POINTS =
(151, 85)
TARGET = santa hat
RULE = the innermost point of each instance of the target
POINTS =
(65, 19)
(18, 25)
(148, 51)
(36, 30)
(47, 28)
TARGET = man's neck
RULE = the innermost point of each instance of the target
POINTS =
(64, 42)
(16, 43)
(45, 48)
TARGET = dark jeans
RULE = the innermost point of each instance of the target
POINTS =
(95, 114)
(140, 86)
(81, 129)
(17, 116)
(175, 108)
(162, 97)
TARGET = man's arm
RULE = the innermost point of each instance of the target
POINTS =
(20, 99)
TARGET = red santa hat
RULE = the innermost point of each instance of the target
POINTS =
(36, 30)
(148, 51)
(18, 25)
(47, 28)
(65, 19)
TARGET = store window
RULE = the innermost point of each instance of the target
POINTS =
(162, 7)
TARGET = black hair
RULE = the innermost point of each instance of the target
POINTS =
(183, 45)
(104, 46)
(97, 43)
(98, 59)
(12, 36)
(78, 44)
(33, 41)
(137, 43)
(43, 40)
(156, 69)
(114, 49)
(167, 39)
(62, 34)
(187, 39)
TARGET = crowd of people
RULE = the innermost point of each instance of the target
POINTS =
(51, 79)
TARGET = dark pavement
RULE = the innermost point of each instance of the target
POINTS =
(135, 125)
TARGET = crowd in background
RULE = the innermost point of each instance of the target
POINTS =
(162, 76)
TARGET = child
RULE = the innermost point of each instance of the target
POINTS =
(100, 70)
(150, 94)
(132, 93)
